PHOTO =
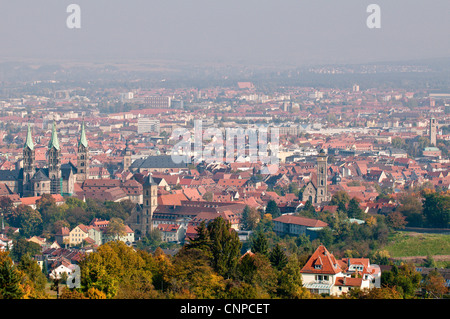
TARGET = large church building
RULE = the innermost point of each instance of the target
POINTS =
(55, 178)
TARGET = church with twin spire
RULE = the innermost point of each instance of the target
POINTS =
(55, 178)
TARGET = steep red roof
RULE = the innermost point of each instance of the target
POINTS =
(322, 262)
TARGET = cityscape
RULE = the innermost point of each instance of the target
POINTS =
(169, 179)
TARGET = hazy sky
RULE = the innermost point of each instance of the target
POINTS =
(263, 31)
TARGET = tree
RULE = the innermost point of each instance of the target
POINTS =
(325, 236)
(6, 206)
(255, 269)
(411, 207)
(24, 247)
(434, 284)
(115, 228)
(290, 281)
(404, 278)
(250, 218)
(10, 279)
(272, 209)
(436, 209)
(34, 275)
(225, 246)
(194, 276)
(353, 209)
(260, 244)
(278, 258)
(202, 240)
(27, 219)
(341, 199)
(396, 220)
(308, 210)
(46, 205)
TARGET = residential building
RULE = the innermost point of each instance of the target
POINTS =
(296, 225)
(324, 274)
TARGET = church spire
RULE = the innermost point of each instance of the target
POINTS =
(54, 143)
(83, 140)
(29, 141)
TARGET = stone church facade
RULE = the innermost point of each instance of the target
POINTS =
(55, 178)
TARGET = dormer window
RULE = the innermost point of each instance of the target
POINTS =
(317, 266)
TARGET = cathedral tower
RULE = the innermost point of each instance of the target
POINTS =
(322, 194)
(54, 163)
(28, 164)
(82, 157)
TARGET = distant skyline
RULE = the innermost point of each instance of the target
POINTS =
(285, 33)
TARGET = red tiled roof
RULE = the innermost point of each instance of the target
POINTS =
(348, 281)
(298, 220)
(322, 262)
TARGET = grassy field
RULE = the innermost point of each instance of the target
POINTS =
(405, 244)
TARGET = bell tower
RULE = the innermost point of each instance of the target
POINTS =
(54, 163)
(149, 204)
(322, 175)
(28, 164)
(82, 156)
(433, 131)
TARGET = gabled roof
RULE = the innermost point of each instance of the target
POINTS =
(321, 262)
(40, 176)
(348, 281)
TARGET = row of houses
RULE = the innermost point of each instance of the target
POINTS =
(94, 234)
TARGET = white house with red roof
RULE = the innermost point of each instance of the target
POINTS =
(171, 232)
(323, 273)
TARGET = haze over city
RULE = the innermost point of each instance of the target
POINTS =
(289, 32)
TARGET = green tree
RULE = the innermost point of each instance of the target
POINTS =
(255, 269)
(308, 210)
(353, 209)
(341, 199)
(202, 240)
(225, 246)
(290, 283)
(278, 257)
(436, 209)
(27, 219)
(10, 279)
(404, 278)
(259, 244)
(22, 247)
(272, 209)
